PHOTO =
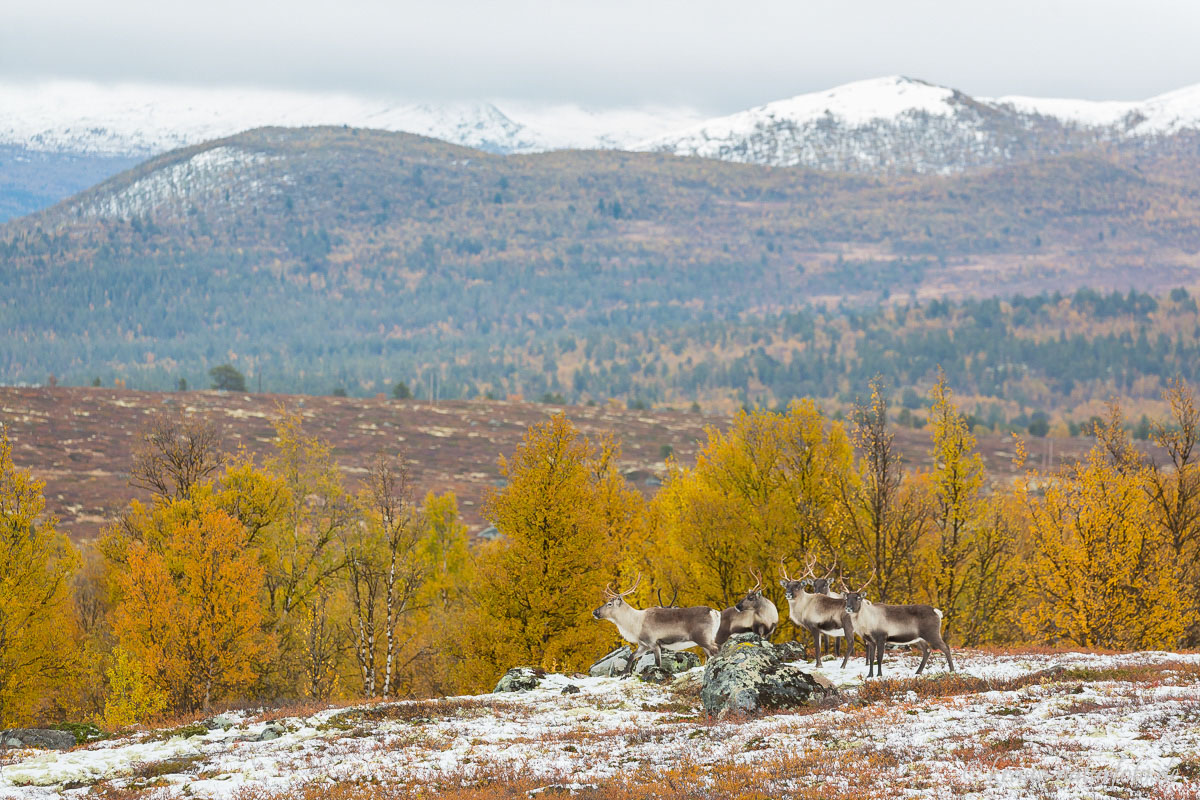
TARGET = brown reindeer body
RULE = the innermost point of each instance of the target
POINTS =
(656, 629)
(882, 625)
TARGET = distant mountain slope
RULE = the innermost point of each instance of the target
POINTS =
(329, 257)
(60, 137)
(885, 126)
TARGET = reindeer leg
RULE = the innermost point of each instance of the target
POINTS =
(637, 653)
(816, 632)
(924, 648)
(940, 644)
(658, 655)
(848, 632)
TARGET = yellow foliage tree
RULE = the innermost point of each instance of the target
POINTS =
(298, 551)
(535, 589)
(1175, 495)
(1098, 574)
(189, 608)
(970, 548)
(37, 642)
(446, 551)
(763, 490)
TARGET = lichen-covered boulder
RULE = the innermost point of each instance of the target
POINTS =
(519, 679)
(673, 662)
(220, 722)
(749, 674)
(792, 651)
(272, 730)
(40, 738)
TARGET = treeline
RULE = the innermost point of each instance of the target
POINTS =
(1008, 360)
(242, 582)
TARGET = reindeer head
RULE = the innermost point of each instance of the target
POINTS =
(793, 587)
(614, 600)
(820, 585)
(754, 596)
(855, 600)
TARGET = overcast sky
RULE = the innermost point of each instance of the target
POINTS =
(715, 56)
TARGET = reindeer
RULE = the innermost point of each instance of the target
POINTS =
(671, 604)
(880, 625)
(821, 586)
(754, 612)
(655, 628)
(816, 613)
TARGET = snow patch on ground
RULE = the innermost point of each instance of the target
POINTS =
(1071, 739)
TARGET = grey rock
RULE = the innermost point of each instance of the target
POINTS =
(570, 688)
(792, 651)
(220, 721)
(519, 679)
(39, 738)
(273, 730)
(653, 674)
(614, 663)
(749, 674)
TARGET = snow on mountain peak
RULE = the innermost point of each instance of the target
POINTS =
(862, 102)
(143, 120)
(1169, 113)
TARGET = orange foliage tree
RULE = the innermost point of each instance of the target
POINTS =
(189, 608)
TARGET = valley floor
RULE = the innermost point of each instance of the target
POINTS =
(1039, 725)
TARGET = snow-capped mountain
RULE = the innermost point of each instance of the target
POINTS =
(85, 118)
(894, 125)
(57, 138)
(901, 125)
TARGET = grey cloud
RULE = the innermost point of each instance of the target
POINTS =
(716, 56)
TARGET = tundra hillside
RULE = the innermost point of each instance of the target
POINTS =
(586, 275)
(262, 579)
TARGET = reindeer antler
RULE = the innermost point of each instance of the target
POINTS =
(783, 570)
(863, 588)
(629, 591)
(812, 563)
(831, 569)
(758, 580)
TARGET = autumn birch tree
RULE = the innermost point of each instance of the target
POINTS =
(37, 646)
(885, 517)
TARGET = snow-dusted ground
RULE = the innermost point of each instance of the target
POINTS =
(1071, 735)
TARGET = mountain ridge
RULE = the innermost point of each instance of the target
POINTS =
(56, 138)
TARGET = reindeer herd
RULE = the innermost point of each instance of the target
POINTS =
(811, 605)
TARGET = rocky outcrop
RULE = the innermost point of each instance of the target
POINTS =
(519, 679)
(673, 662)
(750, 674)
(39, 738)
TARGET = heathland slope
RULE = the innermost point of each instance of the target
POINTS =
(79, 441)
